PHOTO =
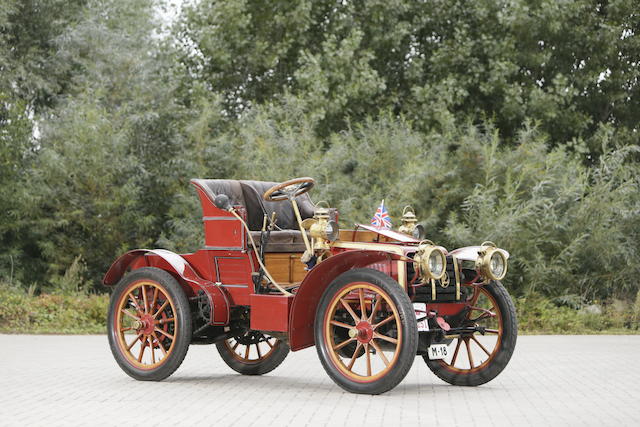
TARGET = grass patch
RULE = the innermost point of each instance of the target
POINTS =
(78, 313)
(541, 315)
(21, 313)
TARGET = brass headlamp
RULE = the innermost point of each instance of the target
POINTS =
(430, 260)
(491, 261)
(323, 229)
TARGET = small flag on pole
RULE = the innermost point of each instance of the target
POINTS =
(381, 218)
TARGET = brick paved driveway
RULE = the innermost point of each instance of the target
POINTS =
(551, 380)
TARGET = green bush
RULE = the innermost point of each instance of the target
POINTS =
(52, 314)
(571, 229)
(86, 314)
(540, 315)
(507, 121)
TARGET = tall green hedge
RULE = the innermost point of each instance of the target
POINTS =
(514, 121)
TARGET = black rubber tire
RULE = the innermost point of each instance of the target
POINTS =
(409, 346)
(279, 353)
(504, 352)
(182, 335)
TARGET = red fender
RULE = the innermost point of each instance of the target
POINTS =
(307, 298)
(173, 262)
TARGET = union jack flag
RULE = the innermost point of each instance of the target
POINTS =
(381, 218)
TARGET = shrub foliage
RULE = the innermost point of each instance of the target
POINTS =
(511, 121)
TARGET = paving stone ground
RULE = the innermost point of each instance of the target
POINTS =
(551, 380)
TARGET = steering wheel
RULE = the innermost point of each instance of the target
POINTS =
(289, 189)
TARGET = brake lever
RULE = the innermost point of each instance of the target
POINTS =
(272, 220)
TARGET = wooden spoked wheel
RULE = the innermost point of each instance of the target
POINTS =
(146, 324)
(253, 353)
(149, 325)
(362, 314)
(476, 357)
(362, 338)
(253, 347)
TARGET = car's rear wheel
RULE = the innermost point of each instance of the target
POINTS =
(475, 357)
(149, 324)
(378, 318)
(253, 353)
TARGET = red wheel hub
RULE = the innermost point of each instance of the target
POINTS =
(148, 324)
(365, 332)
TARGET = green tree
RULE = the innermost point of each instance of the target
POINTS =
(570, 66)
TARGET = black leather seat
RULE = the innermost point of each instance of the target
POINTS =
(249, 195)
(281, 241)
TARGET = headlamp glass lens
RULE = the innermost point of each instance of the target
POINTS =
(435, 263)
(332, 231)
(497, 264)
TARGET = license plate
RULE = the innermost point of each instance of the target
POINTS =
(438, 351)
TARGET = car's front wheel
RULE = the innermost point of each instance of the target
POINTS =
(365, 331)
(475, 357)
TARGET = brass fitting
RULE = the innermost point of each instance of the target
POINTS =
(323, 230)
(491, 262)
(430, 260)
(409, 221)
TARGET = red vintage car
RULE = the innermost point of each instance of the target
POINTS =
(277, 274)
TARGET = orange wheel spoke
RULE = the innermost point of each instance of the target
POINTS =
(363, 305)
(474, 299)
(163, 333)
(380, 353)
(355, 356)
(491, 331)
(475, 296)
(144, 299)
(341, 325)
(382, 322)
(133, 299)
(374, 309)
(484, 315)
(455, 352)
(472, 307)
(466, 343)
(153, 300)
(384, 337)
(480, 345)
(163, 321)
(236, 345)
(161, 309)
(258, 349)
(246, 352)
(143, 343)
(153, 351)
(130, 315)
(164, 352)
(366, 350)
(347, 306)
(134, 341)
(343, 343)
(267, 341)
(125, 329)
